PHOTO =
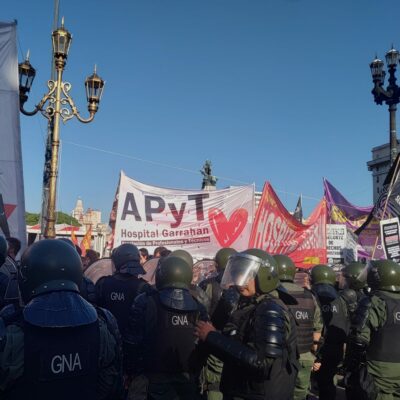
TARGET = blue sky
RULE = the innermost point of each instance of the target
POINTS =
(274, 90)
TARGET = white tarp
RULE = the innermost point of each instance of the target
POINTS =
(198, 221)
(11, 178)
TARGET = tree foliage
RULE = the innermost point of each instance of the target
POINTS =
(61, 218)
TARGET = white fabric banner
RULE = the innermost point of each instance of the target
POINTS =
(12, 202)
(390, 238)
(198, 221)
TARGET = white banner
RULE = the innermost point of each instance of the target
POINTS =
(341, 244)
(390, 237)
(198, 221)
(12, 203)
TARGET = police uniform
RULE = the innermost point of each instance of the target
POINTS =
(308, 321)
(211, 373)
(258, 348)
(88, 290)
(159, 342)
(373, 357)
(116, 293)
(331, 353)
(258, 342)
(9, 291)
(58, 345)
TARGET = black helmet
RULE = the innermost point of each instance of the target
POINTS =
(267, 276)
(351, 272)
(222, 256)
(286, 267)
(68, 241)
(173, 272)
(384, 275)
(126, 259)
(3, 250)
(323, 274)
(184, 255)
(49, 266)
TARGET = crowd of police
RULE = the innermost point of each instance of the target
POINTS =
(256, 329)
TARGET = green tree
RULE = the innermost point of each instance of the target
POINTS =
(31, 218)
(61, 218)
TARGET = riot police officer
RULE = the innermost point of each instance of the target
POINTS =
(212, 286)
(309, 324)
(211, 373)
(353, 289)
(58, 345)
(9, 292)
(336, 318)
(258, 343)
(86, 289)
(373, 353)
(196, 291)
(323, 282)
(116, 293)
(159, 340)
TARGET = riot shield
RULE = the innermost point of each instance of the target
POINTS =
(150, 268)
(203, 269)
(100, 268)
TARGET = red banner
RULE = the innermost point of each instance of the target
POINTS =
(276, 231)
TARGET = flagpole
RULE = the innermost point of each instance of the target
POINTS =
(394, 176)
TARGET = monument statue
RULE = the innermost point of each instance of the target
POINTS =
(209, 180)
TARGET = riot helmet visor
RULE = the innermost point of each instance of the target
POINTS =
(240, 269)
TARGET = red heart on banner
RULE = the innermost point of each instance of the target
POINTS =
(226, 231)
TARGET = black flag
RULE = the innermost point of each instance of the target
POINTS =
(298, 212)
(388, 203)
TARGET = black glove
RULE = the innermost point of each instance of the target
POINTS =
(226, 306)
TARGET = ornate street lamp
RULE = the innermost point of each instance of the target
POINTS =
(390, 95)
(57, 104)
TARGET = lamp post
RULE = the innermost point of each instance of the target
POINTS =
(57, 104)
(390, 95)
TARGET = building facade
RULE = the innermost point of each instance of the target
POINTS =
(379, 166)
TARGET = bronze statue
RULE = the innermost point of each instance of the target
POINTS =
(208, 178)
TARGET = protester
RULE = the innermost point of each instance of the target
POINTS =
(158, 251)
(90, 257)
(144, 255)
(14, 246)
(48, 354)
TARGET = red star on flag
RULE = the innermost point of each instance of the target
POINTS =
(9, 208)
